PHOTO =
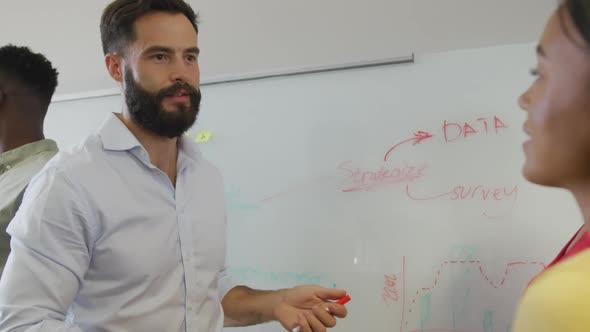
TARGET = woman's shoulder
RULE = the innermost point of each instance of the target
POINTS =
(559, 299)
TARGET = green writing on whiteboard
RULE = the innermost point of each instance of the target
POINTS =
(425, 310)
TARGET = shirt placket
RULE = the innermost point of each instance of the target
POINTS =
(188, 261)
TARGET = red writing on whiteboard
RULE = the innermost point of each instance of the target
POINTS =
(483, 193)
(369, 179)
(465, 192)
(419, 136)
(481, 126)
(390, 293)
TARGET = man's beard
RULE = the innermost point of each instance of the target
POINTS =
(147, 111)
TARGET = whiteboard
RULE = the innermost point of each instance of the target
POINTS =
(401, 184)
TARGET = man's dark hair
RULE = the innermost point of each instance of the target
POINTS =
(118, 19)
(32, 70)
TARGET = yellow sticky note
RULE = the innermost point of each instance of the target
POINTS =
(203, 136)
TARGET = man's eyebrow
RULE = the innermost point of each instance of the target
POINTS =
(195, 50)
(158, 49)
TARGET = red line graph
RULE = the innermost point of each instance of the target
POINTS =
(444, 265)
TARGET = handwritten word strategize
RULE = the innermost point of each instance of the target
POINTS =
(368, 179)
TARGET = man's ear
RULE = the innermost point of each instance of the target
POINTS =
(114, 63)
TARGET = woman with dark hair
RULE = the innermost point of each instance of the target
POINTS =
(558, 155)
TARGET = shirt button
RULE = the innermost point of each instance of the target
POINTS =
(8, 167)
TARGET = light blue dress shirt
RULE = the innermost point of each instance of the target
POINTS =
(104, 242)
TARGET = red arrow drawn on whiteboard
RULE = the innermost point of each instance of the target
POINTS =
(419, 136)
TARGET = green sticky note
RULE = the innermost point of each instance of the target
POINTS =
(203, 136)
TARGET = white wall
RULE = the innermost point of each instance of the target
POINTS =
(263, 35)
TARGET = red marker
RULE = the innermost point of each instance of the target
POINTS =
(344, 300)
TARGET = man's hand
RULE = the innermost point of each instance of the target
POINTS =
(309, 308)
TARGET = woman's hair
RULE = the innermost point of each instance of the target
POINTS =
(579, 11)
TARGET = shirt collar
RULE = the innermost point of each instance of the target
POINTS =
(116, 136)
(582, 244)
(189, 148)
(13, 157)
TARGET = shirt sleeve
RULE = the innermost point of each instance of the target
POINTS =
(226, 283)
(50, 253)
